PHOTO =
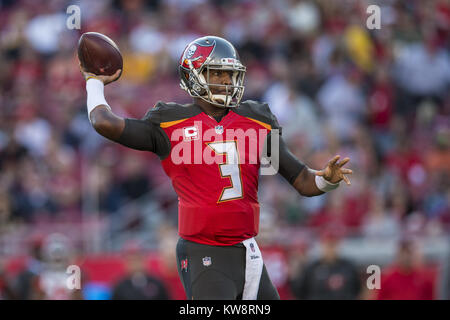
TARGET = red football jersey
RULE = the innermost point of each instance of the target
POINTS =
(214, 168)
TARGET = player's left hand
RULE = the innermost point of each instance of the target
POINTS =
(334, 172)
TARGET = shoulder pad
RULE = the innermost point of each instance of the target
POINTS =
(258, 111)
(165, 112)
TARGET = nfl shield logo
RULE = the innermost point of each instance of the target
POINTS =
(206, 261)
(219, 129)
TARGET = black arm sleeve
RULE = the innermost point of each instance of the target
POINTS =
(290, 166)
(144, 135)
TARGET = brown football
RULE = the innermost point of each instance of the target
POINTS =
(98, 54)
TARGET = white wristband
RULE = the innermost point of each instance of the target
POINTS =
(95, 95)
(325, 185)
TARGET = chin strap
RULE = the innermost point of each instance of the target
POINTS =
(213, 102)
(225, 98)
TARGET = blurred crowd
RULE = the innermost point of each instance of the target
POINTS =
(48, 272)
(380, 97)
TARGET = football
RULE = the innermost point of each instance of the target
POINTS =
(98, 54)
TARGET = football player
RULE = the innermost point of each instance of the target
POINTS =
(214, 173)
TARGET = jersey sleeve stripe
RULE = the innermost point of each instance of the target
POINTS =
(265, 125)
(171, 123)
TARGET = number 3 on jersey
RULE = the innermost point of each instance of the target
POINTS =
(230, 169)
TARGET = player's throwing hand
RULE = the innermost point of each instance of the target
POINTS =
(334, 172)
(104, 79)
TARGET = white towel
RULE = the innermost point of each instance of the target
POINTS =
(253, 269)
